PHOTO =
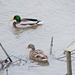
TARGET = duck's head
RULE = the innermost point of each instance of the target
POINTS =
(17, 18)
(31, 46)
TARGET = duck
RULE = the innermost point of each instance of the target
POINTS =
(37, 55)
(24, 22)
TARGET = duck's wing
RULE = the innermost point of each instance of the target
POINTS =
(38, 55)
(31, 21)
(39, 51)
(27, 19)
(41, 57)
(28, 22)
(34, 53)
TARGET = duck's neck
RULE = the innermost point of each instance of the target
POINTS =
(33, 49)
(18, 20)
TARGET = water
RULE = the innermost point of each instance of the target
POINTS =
(58, 18)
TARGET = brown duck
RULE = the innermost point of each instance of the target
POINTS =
(37, 55)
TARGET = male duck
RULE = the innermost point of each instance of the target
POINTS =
(37, 55)
(25, 22)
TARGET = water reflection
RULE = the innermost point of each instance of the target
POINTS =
(41, 63)
(18, 31)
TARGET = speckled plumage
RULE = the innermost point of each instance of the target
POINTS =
(37, 55)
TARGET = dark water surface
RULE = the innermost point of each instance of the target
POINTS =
(58, 18)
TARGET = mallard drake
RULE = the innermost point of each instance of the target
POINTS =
(25, 22)
(37, 55)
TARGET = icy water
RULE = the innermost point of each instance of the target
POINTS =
(58, 18)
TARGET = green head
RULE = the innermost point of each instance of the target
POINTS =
(17, 18)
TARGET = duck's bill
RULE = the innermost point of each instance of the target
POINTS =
(11, 19)
(26, 47)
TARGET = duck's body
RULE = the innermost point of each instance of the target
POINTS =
(37, 55)
(25, 22)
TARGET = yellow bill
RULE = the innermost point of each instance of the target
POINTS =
(26, 47)
(11, 19)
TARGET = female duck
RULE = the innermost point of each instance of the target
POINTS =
(25, 22)
(37, 55)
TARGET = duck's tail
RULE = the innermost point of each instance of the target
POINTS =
(39, 22)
